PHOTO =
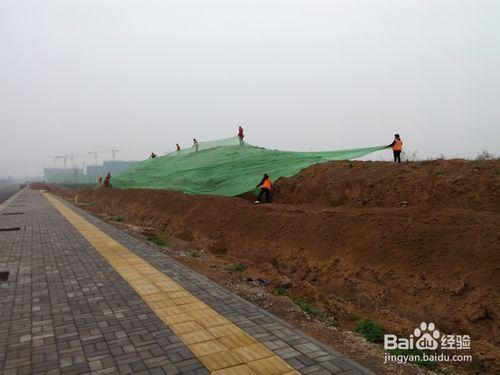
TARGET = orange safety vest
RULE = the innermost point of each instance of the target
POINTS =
(267, 184)
(398, 145)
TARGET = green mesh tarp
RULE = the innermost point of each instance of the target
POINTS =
(224, 167)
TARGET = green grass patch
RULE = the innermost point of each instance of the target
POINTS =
(238, 267)
(154, 238)
(118, 218)
(304, 306)
(281, 289)
(371, 331)
(195, 254)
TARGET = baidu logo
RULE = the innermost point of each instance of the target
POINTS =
(427, 336)
(426, 339)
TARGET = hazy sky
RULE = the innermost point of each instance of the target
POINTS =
(300, 75)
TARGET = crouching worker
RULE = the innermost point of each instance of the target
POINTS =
(265, 188)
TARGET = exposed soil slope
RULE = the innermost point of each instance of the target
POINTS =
(400, 243)
(435, 185)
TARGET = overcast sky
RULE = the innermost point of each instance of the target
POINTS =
(299, 75)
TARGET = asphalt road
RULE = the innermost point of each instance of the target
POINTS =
(7, 190)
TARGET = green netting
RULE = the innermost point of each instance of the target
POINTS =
(233, 141)
(224, 167)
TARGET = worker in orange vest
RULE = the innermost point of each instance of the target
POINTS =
(397, 146)
(265, 188)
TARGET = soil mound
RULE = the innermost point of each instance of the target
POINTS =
(438, 184)
(399, 243)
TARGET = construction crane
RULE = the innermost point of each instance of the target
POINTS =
(95, 153)
(113, 150)
(58, 157)
(66, 157)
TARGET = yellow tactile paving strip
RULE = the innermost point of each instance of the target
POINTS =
(219, 344)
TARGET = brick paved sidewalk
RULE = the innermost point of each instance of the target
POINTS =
(65, 309)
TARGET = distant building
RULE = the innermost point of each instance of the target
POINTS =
(64, 175)
(113, 166)
(78, 176)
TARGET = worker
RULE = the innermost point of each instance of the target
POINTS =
(153, 155)
(240, 134)
(178, 148)
(107, 180)
(265, 188)
(195, 144)
(397, 146)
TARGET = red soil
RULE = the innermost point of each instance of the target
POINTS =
(398, 243)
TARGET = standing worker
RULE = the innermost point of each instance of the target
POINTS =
(107, 180)
(240, 134)
(265, 188)
(178, 148)
(397, 146)
(195, 144)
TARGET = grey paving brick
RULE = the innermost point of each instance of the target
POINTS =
(68, 311)
(65, 307)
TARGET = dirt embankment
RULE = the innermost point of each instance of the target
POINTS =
(434, 185)
(398, 243)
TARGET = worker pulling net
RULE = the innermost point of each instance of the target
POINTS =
(205, 145)
(224, 167)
